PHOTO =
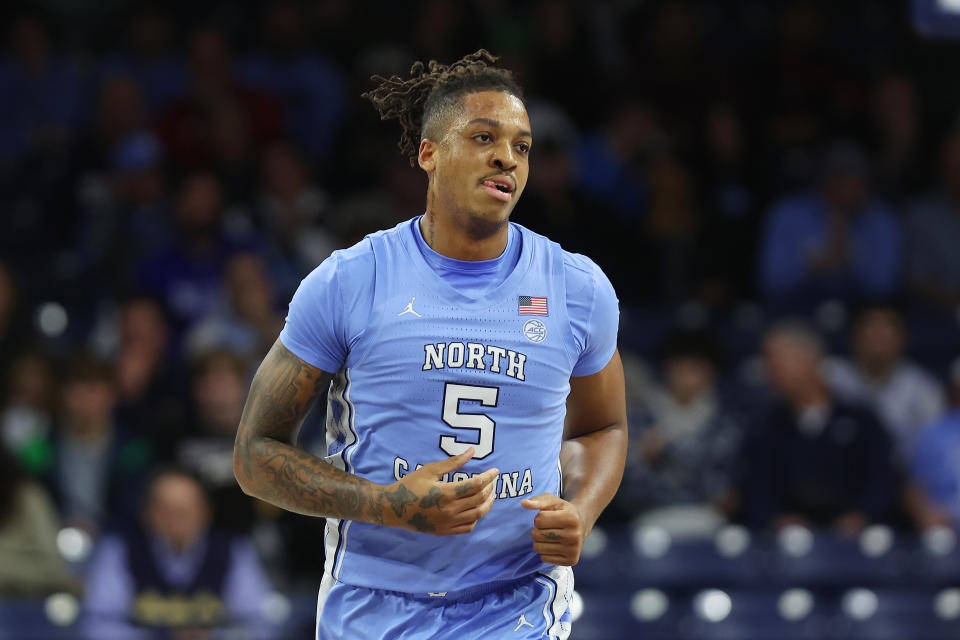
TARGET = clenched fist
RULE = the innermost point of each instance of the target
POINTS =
(558, 530)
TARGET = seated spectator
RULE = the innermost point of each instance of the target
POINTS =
(29, 403)
(218, 392)
(123, 215)
(148, 381)
(904, 396)
(16, 330)
(896, 126)
(933, 234)
(813, 459)
(837, 242)
(683, 454)
(186, 126)
(187, 273)
(175, 573)
(94, 464)
(732, 190)
(30, 564)
(310, 86)
(610, 162)
(149, 56)
(294, 212)
(250, 323)
(934, 465)
(43, 105)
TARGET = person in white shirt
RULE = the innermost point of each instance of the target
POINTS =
(904, 395)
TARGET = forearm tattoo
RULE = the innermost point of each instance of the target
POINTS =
(276, 471)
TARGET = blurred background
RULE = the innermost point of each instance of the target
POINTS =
(772, 187)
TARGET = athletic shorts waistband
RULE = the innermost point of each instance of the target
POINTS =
(460, 595)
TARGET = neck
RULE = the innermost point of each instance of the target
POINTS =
(180, 545)
(462, 241)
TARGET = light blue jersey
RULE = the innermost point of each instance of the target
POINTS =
(428, 363)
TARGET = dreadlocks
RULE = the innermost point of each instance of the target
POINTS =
(431, 91)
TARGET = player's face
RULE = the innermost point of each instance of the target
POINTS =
(481, 164)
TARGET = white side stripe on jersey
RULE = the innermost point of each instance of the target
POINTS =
(335, 534)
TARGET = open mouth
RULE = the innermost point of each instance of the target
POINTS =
(499, 187)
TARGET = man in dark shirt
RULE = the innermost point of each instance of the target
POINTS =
(812, 459)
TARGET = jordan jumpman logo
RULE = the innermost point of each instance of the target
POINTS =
(523, 621)
(409, 308)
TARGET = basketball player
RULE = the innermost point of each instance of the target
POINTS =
(476, 422)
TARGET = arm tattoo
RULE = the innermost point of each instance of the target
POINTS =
(272, 469)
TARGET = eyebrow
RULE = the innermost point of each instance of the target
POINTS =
(495, 124)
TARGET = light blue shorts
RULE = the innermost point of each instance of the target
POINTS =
(532, 608)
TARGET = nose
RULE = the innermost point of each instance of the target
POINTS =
(503, 157)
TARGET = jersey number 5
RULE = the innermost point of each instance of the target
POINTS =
(479, 422)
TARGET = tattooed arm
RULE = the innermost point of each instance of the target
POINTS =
(269, 466)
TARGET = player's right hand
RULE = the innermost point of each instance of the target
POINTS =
(420, 501)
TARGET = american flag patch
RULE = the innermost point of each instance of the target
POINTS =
(532, 306)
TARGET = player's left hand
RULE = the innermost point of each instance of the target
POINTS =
(558, 530)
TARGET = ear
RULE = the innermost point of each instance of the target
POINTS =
(426, 156)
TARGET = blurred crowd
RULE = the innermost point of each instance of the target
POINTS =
(169, 173)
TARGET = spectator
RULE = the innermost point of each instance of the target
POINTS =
(95, 465)
(233, 152)
(175, 573)
(294, 211)
(555, 49)
(903, 395)
(250, 324)
(139, 205)
(838, 242)
(683, 452)
(610, 162)
(551, 202)
(813, 459)
(30, 564)
(43, 106)
(672, 225)
(186, 125)
(895, 115)
(136, 339)
(934, 465)
(120, 115)
(29, 409)
(310, 86)
(933, 234)
(295, 215)
(148, 57)
(218, 392)
(15, 329)
(187, 273)
(118, 168)
(726, 246)
(124, 212)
